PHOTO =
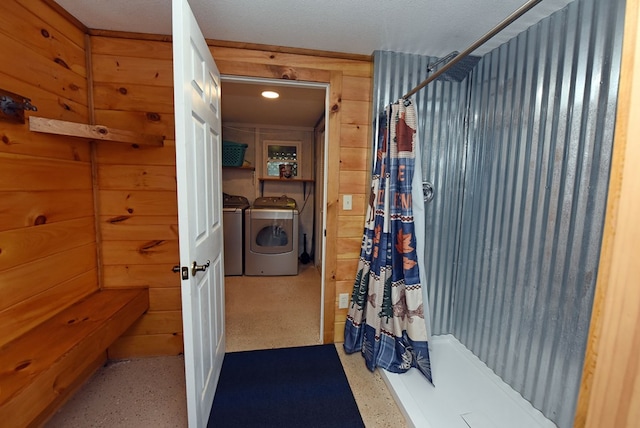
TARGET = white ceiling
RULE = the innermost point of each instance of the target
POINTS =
(426, 27)
(296, 106)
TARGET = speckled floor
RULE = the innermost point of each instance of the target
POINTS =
(261, 313)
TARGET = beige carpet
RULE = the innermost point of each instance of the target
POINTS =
(261, 313)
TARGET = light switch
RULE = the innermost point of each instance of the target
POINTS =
(343, 300)
(347, 202)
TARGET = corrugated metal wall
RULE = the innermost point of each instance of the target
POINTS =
(536, 182)
(514, 231)
(441, 108)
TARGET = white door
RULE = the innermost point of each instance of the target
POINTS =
(198, 169)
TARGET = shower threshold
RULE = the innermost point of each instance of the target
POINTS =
(467, 394)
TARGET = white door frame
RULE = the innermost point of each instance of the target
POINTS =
(313, 85)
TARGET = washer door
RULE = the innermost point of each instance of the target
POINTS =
(271, 231)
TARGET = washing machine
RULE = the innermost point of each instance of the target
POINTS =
(271, 237)
(233, 209)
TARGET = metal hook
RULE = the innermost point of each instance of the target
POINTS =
(11, 107)
(12, 110)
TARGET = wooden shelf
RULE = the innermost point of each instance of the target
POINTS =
(304, 182)
(92, 132)
(247, 168)
(288, 180)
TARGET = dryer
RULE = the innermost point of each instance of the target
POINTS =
(271, 237)
(233, 229)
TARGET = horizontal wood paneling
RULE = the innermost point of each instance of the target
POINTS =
(19, 140)
(23, 281)
(123, 154)
(305, 74)
(348, 248)
(152, 276)
(47, 218)
(355, 136)
(23, 316)
(130, 70)
(35, 34)
(344, 287)
(147, 177)
(31, 208)
(357, 88)
(124, 202)
(21, 246)
(354, 182)
(118, 228)
(141, 197)
(30, 67)
(289, 50)
(140, 252)
(60, 351)
(350, 227)
(54, 105)
(356, 112)
(146, 346)
(115, 46)
(346, 269)
(157, 322)
(165, 299)
(353, 159)
(133, 97)
(259, 57)
(24, 173)
(146, 122)
(133, 87)
(54, 19)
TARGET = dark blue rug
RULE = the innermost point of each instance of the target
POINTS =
(289, 387)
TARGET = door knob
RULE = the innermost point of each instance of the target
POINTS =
(195, 267)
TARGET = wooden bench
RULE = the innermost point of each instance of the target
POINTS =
(42, 368)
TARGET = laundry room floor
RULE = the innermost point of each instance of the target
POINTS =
(264, 312)
(261, 313)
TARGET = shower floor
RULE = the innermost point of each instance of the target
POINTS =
(467, 394)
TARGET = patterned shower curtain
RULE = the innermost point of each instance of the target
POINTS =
(386, 320)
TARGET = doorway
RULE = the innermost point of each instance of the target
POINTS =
(298, 117)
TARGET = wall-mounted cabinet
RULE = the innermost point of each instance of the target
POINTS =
(283, 159)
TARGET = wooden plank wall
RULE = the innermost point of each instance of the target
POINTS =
(348, 153)
(47, 217)
(137, 208)
(138, 212)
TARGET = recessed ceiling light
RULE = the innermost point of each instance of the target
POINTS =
(270, 94)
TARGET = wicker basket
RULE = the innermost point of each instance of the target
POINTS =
(233, 153)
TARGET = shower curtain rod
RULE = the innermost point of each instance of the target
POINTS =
(495, 30)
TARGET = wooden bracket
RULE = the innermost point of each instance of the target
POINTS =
(92, 132)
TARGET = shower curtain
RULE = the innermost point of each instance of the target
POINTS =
(386, 319)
